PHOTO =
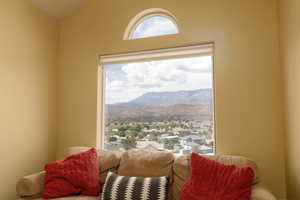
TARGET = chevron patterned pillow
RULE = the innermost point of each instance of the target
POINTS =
(118, 187)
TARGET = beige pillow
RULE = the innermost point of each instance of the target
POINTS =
(142, 163)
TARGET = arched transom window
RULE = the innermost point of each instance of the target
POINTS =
(150, 23)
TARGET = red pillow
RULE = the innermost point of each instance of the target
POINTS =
(215, 181)
(77, 174)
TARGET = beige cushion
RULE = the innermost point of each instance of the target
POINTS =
(259, 192)
(31, 185)
(181, 169)
(109, 161)
(143, 163)
(67, 198)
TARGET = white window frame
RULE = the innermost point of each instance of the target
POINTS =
(144, 56)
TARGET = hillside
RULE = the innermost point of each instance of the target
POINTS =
(201, 96)
(187, 104)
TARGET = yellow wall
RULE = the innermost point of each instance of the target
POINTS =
(247, 71)
(28, 44)
(290, 49)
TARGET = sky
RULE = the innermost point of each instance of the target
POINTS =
(154, 26)
(125, 82)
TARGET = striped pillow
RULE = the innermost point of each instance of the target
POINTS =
(118, 187)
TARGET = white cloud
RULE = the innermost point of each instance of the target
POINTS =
(157, 76)
(154, 26)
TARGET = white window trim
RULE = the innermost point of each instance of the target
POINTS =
(150, 55)
(135, 21)
(168, 53)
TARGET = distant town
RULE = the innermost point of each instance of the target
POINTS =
(178, 136)
(180, 122)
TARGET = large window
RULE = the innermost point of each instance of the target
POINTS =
(159, 100)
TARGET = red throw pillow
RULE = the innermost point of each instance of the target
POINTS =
(77, 174)
(217, 181)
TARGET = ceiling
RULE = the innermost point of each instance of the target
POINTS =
(58, 8)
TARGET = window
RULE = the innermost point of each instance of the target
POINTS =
(151, 22)
(159, 100)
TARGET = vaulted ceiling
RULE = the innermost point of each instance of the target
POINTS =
(58, 8)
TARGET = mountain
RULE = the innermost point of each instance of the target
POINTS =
(187, 104)
(201, 96)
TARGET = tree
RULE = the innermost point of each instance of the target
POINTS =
(168, 145)
(138, 128)
(131, 133)
(129, 143)
(141, 135)
(112, 139)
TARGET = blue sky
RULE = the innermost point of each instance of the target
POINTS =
(125, 82)
(154, 26)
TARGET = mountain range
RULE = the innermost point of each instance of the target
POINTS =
(189, 104)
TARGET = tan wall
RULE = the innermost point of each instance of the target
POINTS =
(247, 71)
(290, 49)
(28, 41)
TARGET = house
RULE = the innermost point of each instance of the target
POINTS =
(149, 145)
(197, 139)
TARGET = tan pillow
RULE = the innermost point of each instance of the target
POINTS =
(109, 161)
(142, 163)
(181, 171)
(31, 185)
